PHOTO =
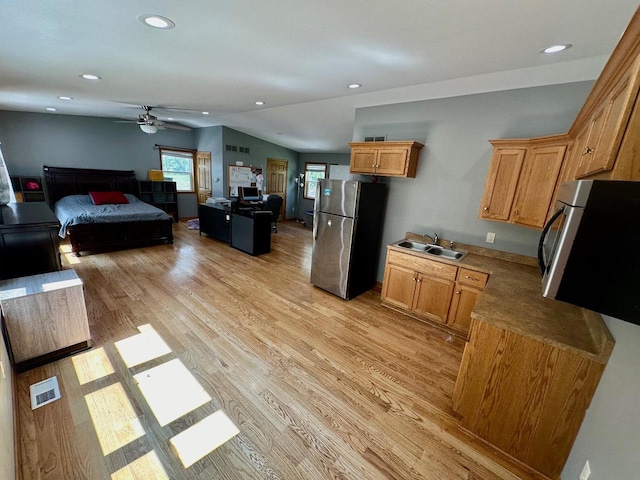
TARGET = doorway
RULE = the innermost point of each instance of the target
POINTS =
(277, 181)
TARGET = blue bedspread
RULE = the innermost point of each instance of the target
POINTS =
(79, 210)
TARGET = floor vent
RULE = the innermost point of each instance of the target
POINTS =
(44, 392)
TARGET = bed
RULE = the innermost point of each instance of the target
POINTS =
(103, 235)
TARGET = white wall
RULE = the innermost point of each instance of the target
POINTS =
(610, 433)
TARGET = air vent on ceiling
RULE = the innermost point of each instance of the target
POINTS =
(380, 138)
(235, 148)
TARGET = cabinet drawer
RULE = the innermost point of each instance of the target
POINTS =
(472, 278)
(424, 265)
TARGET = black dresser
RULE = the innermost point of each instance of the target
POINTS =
(29, 240)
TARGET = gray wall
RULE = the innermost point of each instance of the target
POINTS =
(209, 139)
(445, 195)
(610, 433)
(329, 159)
(259, 150)
(31, 140)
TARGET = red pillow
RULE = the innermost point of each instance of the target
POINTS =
(101, 198)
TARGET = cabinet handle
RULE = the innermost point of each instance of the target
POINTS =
(587, 151)
(415, 279)
(373, 166)
(485, 209)
(516, 212)
(469, 277)
(457, 292)
(419, 280)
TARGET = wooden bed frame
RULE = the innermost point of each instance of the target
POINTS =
(60, 182)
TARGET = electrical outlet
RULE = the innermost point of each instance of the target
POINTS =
(586, 471)
(491, 237)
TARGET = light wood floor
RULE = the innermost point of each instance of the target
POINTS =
(197, 334)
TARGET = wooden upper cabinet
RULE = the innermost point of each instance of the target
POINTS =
(522, 179)
(537, 185)
(389, 159)
(608, 125)
(502, 180)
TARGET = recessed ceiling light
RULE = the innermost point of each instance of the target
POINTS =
(355, 85)
(156, 21)
(63, 97)
(51, 109)
(90, 76)
(259, 102)
(556, 48)
(205, 113)
(170, 119)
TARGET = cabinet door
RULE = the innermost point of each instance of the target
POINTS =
(464, 299)
(392, 161)
(592, 141)
(537, 184)
(617, 110)
(433, 297)
(363, 160)
(398, 286)
(502, 180)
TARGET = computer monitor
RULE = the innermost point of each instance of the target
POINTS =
(249, 194)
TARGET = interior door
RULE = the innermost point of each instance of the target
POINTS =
(277, 181)
(204, 176)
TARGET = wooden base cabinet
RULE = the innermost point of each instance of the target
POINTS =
(431, 290)
(523, 395)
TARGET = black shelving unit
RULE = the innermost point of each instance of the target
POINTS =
(163, 195)
(28, 189)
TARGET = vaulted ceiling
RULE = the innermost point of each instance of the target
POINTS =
(296, 56)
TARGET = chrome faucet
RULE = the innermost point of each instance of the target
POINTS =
(434, 239)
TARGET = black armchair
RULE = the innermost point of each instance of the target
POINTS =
(274, 203)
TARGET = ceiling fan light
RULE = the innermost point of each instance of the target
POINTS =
(150, 129)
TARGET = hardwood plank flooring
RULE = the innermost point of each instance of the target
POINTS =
(318, 387)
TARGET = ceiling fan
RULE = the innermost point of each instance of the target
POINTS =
(150, 124)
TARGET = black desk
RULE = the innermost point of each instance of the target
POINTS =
(29, 241)
(244, 226)
(215, 221)
(251, 232)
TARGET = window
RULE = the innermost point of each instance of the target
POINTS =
(177, 166)
(312, 172)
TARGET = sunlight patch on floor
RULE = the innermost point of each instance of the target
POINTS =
(92, 365)
(114, 418)
(204, 437)
(142, 347)
(147, 466)
(68, 255)
(171, 391)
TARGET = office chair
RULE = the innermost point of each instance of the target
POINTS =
(274, 203)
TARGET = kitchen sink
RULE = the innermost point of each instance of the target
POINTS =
(431, 249)
(417, 246)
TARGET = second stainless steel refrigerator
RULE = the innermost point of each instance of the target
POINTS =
(347, 225)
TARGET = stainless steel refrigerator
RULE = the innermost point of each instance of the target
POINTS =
(347, 224)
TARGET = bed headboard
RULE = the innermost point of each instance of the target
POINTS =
(61, 181)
